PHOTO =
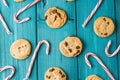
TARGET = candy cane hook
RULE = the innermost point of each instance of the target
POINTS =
(100, 62)
(23, 9)
(107, 48)
(34, 55)
(4, 24)
(5, 3)
(8, 67)
(92, 13)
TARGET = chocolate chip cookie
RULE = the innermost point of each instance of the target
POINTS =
(20, 49)
(71, 46)
(55, 18)
(93, 77)
(103, 26)
(54, 73)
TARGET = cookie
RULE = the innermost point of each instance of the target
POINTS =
(103, 26)
(55, 18)
(69, 0)
(18, 0)
(93, 77)
(71, 46)
(20, 49)
(54, 73)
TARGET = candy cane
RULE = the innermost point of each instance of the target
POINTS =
(34, 55)
(4, 24)
(5, 3)
(107, 48)
(23, 9)
(100, 62)
(92, 13)
(12, 73)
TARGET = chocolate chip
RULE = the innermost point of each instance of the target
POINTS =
(13, 54)
(66, 44)
(77, 47)
(77, 52)
(60, 72)
(101, 33)
(105, 33)
(22, 46)
(55, 18)
(54, 11)
(48, 76)
(59, 14)
(46, 17)
(19, 47)
(55, 78)
(70, 50)
(108, 23)
(104, 19)
(51, 70)
(63, 76)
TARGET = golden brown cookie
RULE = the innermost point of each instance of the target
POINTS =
(93, 77)
(20, 49)
(71, 46)
(18, 0)
(54, 73)
(103, 26)
(55, 18)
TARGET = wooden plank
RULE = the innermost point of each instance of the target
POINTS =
(26, 31)
(54, 36)
(36, 30)
(92, 42)
(117, 9)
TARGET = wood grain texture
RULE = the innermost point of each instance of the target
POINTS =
(117, 10)
(36, 30)
(93, 43)
(54, 36)
(26, 31)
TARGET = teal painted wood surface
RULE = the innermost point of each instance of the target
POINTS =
(36, 29)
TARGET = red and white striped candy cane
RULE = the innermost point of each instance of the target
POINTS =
(100, 62)
(8, 67)
(34, 56)
(4, 24)
(5, 3)
(92, 13)
(23, 9)
(107, 48)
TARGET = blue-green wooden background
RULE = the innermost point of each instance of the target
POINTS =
(36, 30)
